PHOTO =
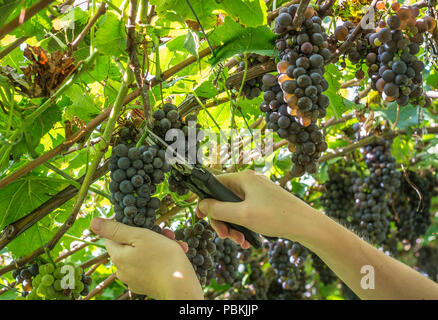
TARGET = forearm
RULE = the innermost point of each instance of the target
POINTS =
(346, 254)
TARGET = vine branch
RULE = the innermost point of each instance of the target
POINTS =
(349, 41)
(25, 15)
(13, 230)
(75, 44)
(299, 15)
(326, 8)
(134, 64)
(101, 286)
(95, 122)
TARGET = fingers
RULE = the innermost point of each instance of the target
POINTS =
(223, 211)
(171, 235)
(168, 233)
(235, 182)
(223, 231)
(236, 236)
(246, 245)
(199, 213)
(113, 230)
(220, 228)
(184, 246)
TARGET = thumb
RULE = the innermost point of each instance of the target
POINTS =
(113, 230)
(222, 211)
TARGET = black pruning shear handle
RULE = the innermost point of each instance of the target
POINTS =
(205, 185)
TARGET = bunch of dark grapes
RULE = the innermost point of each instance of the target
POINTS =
(202, 249)
(303, 54)
(306, 143)
(338, 199)
(427, 262)
(227, 262)
(358, 49)
(253, 288)
(244, 254)
(24, 276)
(293, 101)
(326, 275)
(394, 67)
(169, 118)
(127, 135)
(373, 193)
(135, 172)
(413, 215)
(277, 292)
(287, 259)
(251, 88)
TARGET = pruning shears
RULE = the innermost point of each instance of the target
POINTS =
(204, 184)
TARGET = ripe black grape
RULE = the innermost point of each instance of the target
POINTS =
(202, 249)
(226, 261)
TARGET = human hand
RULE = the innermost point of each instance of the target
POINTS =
(149, 263)
(266, 209)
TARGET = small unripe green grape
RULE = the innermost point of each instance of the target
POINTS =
(47, 280)
(66, 297)
(58, 295)
(36, 281)
(78, 277)
(50, 268)
(57, 285)
(42, 290)
(58, 274)
(46, 268)
(79, 271)
(79, 286)
(32, 295)
(377, 42)
(50, 293)
(42, 270)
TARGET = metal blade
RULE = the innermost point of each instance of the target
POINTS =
(180, 161)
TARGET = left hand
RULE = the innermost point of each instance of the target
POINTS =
(148, 262)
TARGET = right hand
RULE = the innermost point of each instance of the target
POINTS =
(266, 208)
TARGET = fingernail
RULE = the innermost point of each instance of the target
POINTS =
(203, 207)
(97, 224)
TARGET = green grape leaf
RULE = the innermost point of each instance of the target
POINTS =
(251, 13)
(407, 115)
(104, 68)
(22, 196)
(36, 26)
(206, 90)
(401, 150)
(191, 43)
(111, 35)
(250, 108)
(82, 105)
(203, 8)
(338, 104)
(7, 7)
(73, 17)
(233, 39)
(283, 161)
